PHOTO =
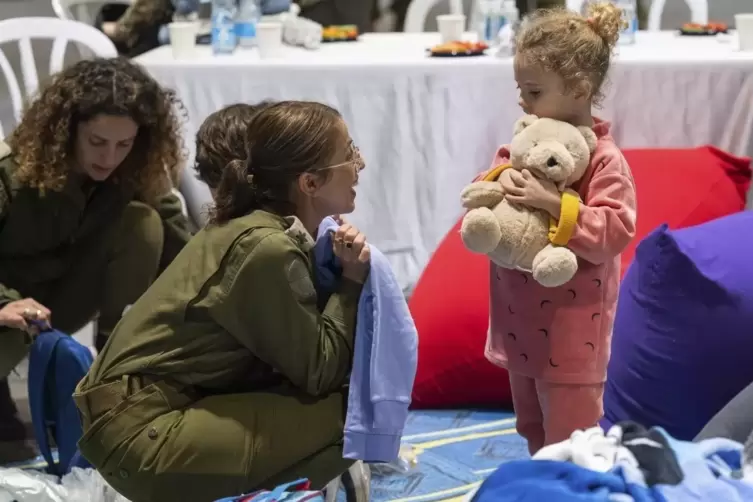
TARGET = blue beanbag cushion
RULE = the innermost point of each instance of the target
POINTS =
(682, 344)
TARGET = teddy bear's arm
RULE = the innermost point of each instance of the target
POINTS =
(482, 194)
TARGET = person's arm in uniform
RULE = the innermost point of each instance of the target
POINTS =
(7, 294)
(178, 230)
(139, 25)
(268, 302)
(14, 343)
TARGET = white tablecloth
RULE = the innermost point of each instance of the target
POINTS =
(426, 126)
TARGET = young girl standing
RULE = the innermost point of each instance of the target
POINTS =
(555, 341)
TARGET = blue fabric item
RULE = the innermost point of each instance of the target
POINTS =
(551, 481)
(681, 341)
(385, 358)
(707, 469)
(57, 363)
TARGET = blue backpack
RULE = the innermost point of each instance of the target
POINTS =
(57, 363)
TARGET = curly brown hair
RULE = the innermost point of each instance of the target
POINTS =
(43, 141)
(222, 139)
(577, 48)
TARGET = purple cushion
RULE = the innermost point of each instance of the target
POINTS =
(683, 335)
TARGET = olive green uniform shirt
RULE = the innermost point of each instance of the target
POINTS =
(43, 236)
(238, 311)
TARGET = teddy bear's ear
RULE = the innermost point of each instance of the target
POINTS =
(524, 122)
(588, 133)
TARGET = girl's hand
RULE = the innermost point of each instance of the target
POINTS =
(349, 244)
(525, 188)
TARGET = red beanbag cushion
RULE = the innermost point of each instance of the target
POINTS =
(685, 187)
(450, 305)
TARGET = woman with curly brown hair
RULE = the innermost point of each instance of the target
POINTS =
(87, 216)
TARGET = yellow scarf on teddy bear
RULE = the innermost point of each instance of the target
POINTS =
(560, 231)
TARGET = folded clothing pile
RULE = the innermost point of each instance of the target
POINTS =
(627, 464)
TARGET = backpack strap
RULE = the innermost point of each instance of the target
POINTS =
(71, 362)
(40, 357)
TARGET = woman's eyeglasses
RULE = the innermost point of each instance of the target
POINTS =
(355, 161)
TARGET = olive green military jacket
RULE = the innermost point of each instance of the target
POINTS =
(235, 312)
(37, 232)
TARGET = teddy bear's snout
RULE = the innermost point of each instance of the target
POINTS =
(550, 159)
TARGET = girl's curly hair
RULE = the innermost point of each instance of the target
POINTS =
(578, 48)
(43, 142)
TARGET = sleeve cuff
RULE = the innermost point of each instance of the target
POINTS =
(561, 234)
(349, 291)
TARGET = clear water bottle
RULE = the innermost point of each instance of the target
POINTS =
(488, 20)
(223, 26)
(249, 14)
(630, 17)
(509, 21)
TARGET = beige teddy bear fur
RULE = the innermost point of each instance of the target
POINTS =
(515, 236)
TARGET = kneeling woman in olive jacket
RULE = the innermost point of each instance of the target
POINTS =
(86, 209)
(229, 373)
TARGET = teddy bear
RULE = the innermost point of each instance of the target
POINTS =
(515, 236)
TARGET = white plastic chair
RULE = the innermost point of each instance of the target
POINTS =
(23, 30)
(418, 10)
(81, 10)
(699, 13)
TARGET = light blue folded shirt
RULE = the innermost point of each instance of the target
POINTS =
(385, 355)
(708, 468)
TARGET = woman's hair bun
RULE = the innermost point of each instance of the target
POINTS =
(237, 165)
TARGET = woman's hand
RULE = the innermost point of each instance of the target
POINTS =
(349, 244)
(110, 29)
(26, 315)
